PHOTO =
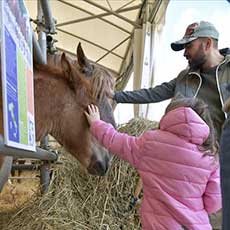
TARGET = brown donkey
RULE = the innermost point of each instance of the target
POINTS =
(62, 90)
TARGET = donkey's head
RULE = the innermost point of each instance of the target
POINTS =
(90, 83)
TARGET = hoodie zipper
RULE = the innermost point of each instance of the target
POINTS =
(218, 86)
(198, 88)
(217, 83)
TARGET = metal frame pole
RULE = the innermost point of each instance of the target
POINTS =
(5, 171)
(49, 21)
(41, 33)
(20, 153)
(45, 24)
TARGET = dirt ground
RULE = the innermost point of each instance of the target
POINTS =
(15, 194)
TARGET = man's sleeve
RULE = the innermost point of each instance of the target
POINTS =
(159, 93)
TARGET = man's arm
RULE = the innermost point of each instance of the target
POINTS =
(159, 93)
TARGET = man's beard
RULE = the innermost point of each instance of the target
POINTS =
(199, 60)
(197, 64)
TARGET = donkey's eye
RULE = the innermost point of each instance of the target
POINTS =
(88, 71)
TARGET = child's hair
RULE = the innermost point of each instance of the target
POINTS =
(210, 146)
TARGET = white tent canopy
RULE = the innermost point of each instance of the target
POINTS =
(121, 35)
(104, 27)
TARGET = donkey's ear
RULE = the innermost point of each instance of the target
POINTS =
(70, 73)
(65, 65)
(67, 71)
(83, 62)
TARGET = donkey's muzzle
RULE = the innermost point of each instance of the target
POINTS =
(99, 167)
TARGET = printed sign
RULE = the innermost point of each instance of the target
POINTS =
(17, 75)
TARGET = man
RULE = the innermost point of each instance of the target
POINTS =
(207, 77)
(225, 167)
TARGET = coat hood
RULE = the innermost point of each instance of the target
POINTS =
(185, 123)
(226, 53)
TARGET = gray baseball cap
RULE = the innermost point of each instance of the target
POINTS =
(194, 31)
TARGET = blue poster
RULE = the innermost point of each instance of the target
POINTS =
(12, 88)
(17, 75)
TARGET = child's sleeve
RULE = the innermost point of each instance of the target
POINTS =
(125, 146)
(212, 195)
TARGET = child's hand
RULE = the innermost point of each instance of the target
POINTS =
(92, 114)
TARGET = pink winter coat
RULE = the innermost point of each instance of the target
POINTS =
(180, 185)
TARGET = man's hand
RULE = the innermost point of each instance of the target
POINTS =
(111, 94)
(92, 114)
(226, 107)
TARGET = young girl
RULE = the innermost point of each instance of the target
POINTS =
(177, 164)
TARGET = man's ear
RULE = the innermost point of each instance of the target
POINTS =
(209, 43)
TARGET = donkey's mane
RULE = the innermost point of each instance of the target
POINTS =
(57, 72)
(101, 83)
(51, 67)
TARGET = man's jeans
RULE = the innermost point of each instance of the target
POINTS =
(225, 173)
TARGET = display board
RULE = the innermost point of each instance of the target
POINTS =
(17, 75)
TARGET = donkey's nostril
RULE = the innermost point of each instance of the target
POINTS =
(101, 167)
(98, 168)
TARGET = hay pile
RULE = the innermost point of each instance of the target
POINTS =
(77, 201)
